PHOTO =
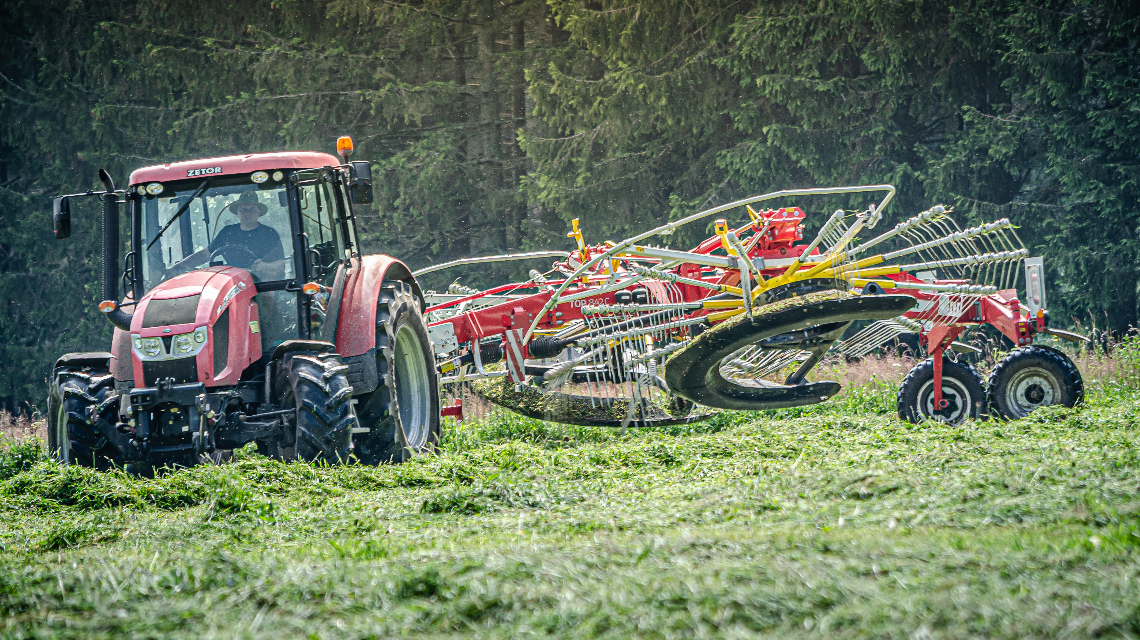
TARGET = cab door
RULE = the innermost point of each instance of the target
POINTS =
(325, 260)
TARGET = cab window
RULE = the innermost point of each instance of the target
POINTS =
(211, 231)
(321, 224)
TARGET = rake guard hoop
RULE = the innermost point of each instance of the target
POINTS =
(694, 371)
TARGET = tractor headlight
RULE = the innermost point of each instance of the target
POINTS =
(183, 344)
(188, 344)
(259, 176)
(149, 347)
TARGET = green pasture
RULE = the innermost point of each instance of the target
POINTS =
(833, 521)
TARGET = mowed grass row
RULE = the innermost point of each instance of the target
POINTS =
(833, 521)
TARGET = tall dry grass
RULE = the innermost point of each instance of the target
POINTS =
(886, 368)
(21, 428)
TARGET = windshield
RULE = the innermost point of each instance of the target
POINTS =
(245, 225)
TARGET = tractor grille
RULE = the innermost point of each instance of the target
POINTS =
(221, 341)
(181, 369)
(162, 313)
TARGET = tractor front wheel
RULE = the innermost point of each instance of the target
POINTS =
(317, 385)
(1033, 377)
(962, 389)
(402, 415)
(77, 397)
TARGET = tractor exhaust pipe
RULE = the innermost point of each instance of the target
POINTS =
(110, 304)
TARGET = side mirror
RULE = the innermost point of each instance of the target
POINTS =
(360, 183)
(61, 217)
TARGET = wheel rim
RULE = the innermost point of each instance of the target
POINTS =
(413, 389)
(959, 401)
(1031, 388)
(64, 451)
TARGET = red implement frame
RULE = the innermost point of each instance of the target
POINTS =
(772, 244)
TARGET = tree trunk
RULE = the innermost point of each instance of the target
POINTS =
(490, 233)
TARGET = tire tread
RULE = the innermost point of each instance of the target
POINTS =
(923, 371)
(324, 418)
(1070, 375)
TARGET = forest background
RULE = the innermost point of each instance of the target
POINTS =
(491, 124)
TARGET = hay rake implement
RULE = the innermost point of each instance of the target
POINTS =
(631, 333)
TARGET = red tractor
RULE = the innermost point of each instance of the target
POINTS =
(249, 315)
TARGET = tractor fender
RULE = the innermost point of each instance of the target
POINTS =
(356, 322)
(96, 359)
(121, 364)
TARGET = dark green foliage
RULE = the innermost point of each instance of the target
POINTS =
(1025, 110)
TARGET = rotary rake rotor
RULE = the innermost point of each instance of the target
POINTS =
(632, 333)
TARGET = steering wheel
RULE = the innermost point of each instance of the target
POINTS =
(242, 251)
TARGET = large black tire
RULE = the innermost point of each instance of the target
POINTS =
(317, 385)
(1033, 377)
(402, 414)
(961, 386)
(72, 439)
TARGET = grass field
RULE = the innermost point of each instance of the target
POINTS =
(834, 521)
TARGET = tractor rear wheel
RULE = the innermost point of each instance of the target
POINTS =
(317, 385)
(962, 388)
(75, 398)
(402, 414)
(1033, 377)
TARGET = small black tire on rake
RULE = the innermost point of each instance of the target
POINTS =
(1033, 377)
(962, 388)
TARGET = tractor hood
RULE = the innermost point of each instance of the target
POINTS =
(201, 326)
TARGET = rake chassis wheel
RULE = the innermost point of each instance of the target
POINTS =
(962, 389)
(1033, 377)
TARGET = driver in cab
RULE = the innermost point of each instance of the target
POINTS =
(248, 244)
(263, 253)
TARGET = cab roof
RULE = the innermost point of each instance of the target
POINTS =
(230, 165)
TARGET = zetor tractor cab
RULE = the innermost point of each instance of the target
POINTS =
(249, 315)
